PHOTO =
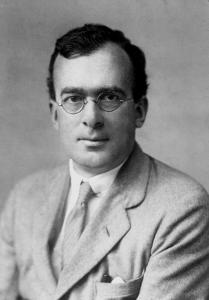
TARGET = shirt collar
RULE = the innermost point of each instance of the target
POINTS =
(99, 183)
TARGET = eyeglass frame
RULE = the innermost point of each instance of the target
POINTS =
(85, 101)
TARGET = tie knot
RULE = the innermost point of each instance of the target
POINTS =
(85, 193)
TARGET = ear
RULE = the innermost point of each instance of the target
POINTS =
(141, 108)
(54, 115)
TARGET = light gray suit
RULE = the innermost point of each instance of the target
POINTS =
(152, 230)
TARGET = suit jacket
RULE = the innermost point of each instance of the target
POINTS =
(152, 230)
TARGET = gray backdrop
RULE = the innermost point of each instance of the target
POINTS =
(175, 37)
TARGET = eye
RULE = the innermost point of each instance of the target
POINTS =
(73, 99)
(110, 97)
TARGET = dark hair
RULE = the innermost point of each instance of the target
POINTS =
(91, 37)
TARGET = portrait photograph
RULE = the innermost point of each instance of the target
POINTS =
(104, 149)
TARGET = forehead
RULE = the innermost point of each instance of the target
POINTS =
(109, 65)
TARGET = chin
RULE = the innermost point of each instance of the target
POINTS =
(95, 164)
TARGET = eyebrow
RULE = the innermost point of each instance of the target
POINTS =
(77, 90)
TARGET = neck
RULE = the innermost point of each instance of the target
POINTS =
(86, 173)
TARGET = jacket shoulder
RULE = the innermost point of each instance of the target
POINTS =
(36, 185)
(172, 182)
(42, 176)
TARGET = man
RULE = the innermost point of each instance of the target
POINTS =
(142, 229)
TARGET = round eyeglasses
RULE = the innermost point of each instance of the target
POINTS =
(107, 101)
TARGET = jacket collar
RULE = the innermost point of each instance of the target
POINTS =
(47, 224)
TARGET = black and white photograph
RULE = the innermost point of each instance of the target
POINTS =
(104, 150)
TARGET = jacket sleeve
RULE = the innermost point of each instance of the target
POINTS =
(178, 268)
(8, 266)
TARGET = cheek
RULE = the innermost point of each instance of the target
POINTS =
(67, 130)
(123, 126)
(66, 122)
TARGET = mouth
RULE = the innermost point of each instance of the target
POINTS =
(93, 142)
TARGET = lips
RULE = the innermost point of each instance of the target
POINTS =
(96, 141)
(93, 139)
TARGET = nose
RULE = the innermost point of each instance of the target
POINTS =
(92, 115)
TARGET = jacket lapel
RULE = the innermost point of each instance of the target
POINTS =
(98, 238)
(47, 223)
(110, 223)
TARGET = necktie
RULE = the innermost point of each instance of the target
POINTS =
(76, 221)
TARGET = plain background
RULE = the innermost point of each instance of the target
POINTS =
(175, 37)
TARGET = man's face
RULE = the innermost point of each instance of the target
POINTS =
(97, 141)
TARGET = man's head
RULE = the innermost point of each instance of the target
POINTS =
(89, 38)
(86, 63)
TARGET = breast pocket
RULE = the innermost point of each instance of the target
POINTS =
(120, 291)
